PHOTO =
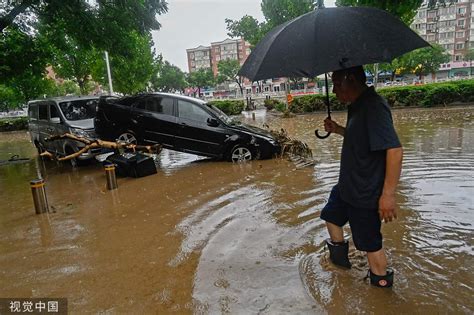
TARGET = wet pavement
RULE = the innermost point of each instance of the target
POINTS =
(211, 237)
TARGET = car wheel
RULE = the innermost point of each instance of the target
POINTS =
(127, 137)
(240, 153)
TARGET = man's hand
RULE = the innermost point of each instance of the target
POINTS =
(387, 209)
(332, 126)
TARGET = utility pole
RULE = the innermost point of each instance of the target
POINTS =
(109, 75)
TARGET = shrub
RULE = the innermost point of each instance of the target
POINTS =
(311, 103)
(12, 124)
(274, 104)
(280, 106)
(230, 107)
(421, 95)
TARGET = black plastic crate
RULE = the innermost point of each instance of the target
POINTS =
(132, 164)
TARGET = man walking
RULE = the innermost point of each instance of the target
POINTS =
(371, 162)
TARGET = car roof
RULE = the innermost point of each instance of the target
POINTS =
(65, 98)
(178, 96)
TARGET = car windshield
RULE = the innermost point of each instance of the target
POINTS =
(79, 109)
(222, 116)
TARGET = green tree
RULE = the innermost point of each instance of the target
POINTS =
(201, 78)
(98, 22)
(89, 25)
(275, 12)
(70, 59)
(169, 78)
(424, 61)
(247, 27)
(228, 70)
(130, 73)
(8, 98)
(404, 10)
(469, 56)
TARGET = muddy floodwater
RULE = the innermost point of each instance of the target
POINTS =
(211, 237)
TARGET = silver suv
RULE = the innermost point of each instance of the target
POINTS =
(56, 116)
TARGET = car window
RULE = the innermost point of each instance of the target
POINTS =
(79, 109)
(160, 105)
(43, 112)
(33, 111)
(53, 111)
(192, 111)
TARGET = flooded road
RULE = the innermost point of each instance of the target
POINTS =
(212, 237)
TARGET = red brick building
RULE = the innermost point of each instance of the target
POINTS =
(209, 57)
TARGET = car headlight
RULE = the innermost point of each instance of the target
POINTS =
(78, 132)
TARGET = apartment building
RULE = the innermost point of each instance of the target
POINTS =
(199, 58)
(450, 25)
(209, 56)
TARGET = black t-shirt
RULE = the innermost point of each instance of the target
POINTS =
(369, 133)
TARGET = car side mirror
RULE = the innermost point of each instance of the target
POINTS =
(212, 122)
(55, 120)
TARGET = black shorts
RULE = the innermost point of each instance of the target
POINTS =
(365, 223)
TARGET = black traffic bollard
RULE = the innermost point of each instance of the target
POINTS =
(39, 196)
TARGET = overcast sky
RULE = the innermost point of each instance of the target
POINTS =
(190, 23)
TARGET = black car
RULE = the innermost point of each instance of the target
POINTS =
(183, 124)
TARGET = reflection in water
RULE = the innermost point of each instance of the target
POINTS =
(214, 237)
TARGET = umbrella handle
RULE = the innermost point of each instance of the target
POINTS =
(316, 132)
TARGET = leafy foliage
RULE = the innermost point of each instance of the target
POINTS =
(12, 124)
(427, 95)
(169, 78)
(71, 36)
(99, 23)
(276, 12)
(425, 60)
(130, 73)
(201, 78)
(228, 70)
(229, 107)
(404, 10)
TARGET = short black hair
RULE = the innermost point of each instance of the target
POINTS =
(357, 71)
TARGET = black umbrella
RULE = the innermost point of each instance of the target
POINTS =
(330, 39)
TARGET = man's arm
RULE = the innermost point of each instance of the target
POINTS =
(332, 126)
(393, 169)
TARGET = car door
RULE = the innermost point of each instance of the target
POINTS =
(155, 120)
(54, 128)
(194, 133)
(45, 128)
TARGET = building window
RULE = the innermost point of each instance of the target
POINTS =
(192, 55)
(431, 14)
(218, 58)
(431, 38)
(460, 46)
(460, 22)
(459, 34)
(458, 58)
(462, 10)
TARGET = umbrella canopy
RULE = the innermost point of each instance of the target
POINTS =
(330, 39)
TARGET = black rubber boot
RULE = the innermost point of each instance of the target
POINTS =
(381, 281)
(339, 253)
